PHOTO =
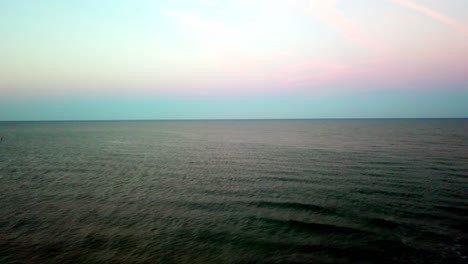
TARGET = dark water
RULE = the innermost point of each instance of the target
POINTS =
(336, 191)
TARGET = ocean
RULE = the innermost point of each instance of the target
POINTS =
(245, 191)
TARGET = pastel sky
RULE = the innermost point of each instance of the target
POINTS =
(197, 59)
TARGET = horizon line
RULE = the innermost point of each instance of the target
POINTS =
(234, 119)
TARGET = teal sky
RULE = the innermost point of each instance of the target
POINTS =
(217, 59)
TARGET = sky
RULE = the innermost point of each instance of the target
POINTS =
(232, 59)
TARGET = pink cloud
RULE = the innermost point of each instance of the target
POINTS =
(327, 11)
(434, 15)
(315, 72)
(378, 73)
(312, 72)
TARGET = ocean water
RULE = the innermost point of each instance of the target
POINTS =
(286, 191)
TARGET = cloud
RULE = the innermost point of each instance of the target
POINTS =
(327, 11)
(316, 72)
(433, 14)
(312, 72)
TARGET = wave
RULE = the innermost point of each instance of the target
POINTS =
(294, 205)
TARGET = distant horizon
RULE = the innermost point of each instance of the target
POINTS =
(241, 119)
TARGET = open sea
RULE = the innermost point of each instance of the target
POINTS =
(283, 191)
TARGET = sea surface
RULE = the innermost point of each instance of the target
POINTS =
(285, 191)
